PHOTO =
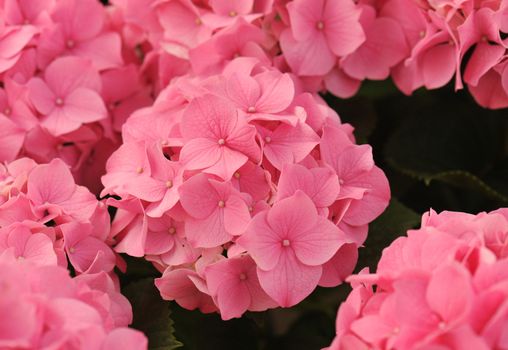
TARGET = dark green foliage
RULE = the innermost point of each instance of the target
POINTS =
(151, 315)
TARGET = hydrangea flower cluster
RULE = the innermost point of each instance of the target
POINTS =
(444, 286)
(67, 84)
(329, 45)
(246, 191)
(47, 219)
(42, 307)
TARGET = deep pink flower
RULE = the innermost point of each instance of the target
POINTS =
(363, 185)
(385, 43)
(288, 144)
(85, 313)
(217, 139)
(35, 247)
(78, 30)
(217, 211)
(235, 286)
(13, 40)
(68, 96)
(438, 288)
(263, 96)
(51, 188)
(319, 184)
(289, 243)
(320, 31)
(183, 286)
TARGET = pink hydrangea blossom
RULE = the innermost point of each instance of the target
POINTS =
(442, 286)
(289, 242)
(46, 218)
(224, 163)
(46, 308)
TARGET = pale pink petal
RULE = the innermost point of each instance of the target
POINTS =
(228, 284)
(438, 65)
(208, 117)
(484, 57)
(293, 216)
(11, 139)
(236, 215)
(41, 96)
(290, 281)
(385, 44)
(340, 84)
(309, 57)
(125, 339)
(58, 122)
(50, 183)
(340, 266)
(200, 153)
(262, 243)
(198, 197)
(85, 106)
(319, 244)
(288, 144)
(277, 92)
(344, 32)
(304, 16)
(489, 92)
(104, 51)
(450, 293)
(68, 73)
(243, 90)
(229, 162)
(39, 249)
(207, 233)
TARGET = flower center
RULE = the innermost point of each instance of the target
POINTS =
(236, 175)
(268, 139)
(243, 277)
(172, 230)
(422, 34)
(139, 170)
(221, 142)
(232, 13)
(198, 21)
(286, 243)
(222, 204)
(72, 250)
(251, 109)
(7, 111)
(320, 25)
(169, 184)
(59, 101)
(70, 44)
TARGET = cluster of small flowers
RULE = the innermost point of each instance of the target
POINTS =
(246, 191)
(330, 44)
(42, 307)
(48, 223)
(67, 84)
(444, 286)
(47, 219)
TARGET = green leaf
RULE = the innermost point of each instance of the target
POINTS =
(449, 142)
(152, 315)
(394, 222)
